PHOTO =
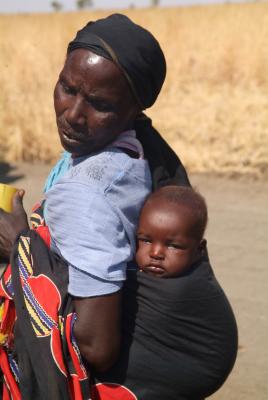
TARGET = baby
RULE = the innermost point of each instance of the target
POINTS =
(179, 332)
(170, 232)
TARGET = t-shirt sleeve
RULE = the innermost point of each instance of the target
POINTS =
(82, 284)
(89, 234)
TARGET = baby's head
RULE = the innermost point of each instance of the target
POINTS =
(170, 231)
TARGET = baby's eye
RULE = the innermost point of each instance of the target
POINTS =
(144, 240)
(174, 246)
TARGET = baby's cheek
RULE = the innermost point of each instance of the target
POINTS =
(140, 256)
(137, 258)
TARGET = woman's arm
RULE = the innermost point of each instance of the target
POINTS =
(98, 329)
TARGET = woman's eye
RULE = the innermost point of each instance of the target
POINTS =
(67, 89)
(101, 106)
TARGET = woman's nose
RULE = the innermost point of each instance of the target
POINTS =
(75, 113)
(157, 251)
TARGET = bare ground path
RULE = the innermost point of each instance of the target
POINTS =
(237, 239)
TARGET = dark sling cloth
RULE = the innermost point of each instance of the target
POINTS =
(179, 338)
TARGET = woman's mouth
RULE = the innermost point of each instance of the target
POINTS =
(71, 137)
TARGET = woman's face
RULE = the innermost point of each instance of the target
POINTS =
(93, 103)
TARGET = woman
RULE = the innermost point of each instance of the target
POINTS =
(114, 69)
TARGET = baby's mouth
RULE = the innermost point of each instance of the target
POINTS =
(154, 268)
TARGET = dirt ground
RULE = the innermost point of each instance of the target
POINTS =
(237, 241)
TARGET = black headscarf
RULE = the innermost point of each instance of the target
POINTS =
(135, 50)
(139, 56)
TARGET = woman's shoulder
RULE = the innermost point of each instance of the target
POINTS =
(107, 168)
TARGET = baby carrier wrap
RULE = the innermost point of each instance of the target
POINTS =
(179, 336)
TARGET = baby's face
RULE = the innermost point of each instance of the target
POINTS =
(166, 246)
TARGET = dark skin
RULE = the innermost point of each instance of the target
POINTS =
(167, 245)
(93, 105)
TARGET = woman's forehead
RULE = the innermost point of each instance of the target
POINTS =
(81, 60)
(82, 67)
(94, 59)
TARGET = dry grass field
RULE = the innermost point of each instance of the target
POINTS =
(213, 108)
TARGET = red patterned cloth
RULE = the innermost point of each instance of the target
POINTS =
(43, 362)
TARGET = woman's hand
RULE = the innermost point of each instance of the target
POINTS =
(11, 224)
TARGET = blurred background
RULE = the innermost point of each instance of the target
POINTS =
(213, 110)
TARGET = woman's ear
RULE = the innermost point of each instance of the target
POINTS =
(203, 246)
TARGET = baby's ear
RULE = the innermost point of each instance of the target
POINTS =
(203, 246)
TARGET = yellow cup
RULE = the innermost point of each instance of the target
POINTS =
(6, 195)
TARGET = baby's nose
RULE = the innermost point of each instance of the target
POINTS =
(157, 251)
